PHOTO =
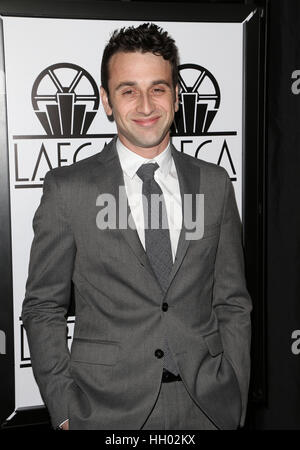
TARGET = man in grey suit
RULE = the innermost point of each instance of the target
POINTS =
(162, 332)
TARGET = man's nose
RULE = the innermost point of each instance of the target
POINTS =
(145, 104)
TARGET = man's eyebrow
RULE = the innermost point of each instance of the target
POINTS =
(134, 83)
(166, 83)
(125, 83)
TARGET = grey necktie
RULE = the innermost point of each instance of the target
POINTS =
(157, 238)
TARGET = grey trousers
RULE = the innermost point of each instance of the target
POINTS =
(174, 409)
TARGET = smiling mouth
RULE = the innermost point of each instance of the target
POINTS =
(146, 122)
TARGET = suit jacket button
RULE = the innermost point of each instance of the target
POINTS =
(159, 353)
(165, 307)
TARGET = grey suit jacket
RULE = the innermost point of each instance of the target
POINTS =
(112, 377)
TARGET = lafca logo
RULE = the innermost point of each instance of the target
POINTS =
(199, 103)
(65, 99)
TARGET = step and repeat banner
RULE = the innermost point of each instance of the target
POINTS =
(55, 118)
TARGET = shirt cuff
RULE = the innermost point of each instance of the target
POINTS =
(61, 424)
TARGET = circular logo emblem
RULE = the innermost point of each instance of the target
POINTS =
(199, 100)
(65, 98)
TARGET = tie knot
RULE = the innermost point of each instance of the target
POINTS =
(146, 171)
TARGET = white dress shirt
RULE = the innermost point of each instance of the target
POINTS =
(165, 176)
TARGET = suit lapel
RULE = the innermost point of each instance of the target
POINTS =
(189, 183)
(111, 179)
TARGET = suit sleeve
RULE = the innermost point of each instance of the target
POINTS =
(231, 300)
(47, 300)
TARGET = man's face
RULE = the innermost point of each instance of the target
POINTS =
(142, 99)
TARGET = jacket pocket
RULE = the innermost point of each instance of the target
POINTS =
(95, 351)
(214, 343)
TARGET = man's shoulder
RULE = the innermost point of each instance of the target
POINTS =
(208, 169)
(79, 170)
(76, 170)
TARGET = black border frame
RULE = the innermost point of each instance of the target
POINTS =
(127, 10)
(7, 360)
(254, 199)
(254, 161)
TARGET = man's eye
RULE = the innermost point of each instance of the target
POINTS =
(129, 92)
(158, 90)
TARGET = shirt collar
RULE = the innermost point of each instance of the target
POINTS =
(131, 161)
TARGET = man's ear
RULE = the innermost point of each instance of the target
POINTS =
(105, 102)
(176, 99)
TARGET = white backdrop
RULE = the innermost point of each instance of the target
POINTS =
(31, 45)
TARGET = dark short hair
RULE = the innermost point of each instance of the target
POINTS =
(147, 37)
